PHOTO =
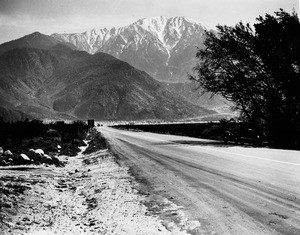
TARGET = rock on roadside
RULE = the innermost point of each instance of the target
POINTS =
(24, 157)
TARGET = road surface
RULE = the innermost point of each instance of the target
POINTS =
(228, 189)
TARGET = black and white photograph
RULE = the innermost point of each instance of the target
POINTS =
(149, 117)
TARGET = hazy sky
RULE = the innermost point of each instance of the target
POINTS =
(21, 17)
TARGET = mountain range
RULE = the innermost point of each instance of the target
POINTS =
(52, 80)
(163, 47)
(62, 76)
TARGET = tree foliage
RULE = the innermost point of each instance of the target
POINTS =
(258, 70)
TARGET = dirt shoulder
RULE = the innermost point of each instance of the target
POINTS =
(91, 194)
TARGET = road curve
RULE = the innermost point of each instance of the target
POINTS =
(228, 189)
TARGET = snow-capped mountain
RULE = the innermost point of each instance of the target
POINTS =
(163, 47)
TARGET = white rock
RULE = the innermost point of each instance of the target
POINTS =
(8, 153)
(58, 146)
(40, 152)
(1, 150)
(24, 157)
(47, 156)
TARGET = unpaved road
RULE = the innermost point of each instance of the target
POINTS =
(227, 189)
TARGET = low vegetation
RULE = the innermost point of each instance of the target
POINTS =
(33, 142)
(96, 142)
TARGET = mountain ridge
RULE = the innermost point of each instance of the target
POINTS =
(91, 36)
(34, 40)
(164, 47)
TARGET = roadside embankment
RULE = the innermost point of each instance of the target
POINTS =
(90, 194)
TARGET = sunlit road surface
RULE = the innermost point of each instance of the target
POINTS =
(228, 189)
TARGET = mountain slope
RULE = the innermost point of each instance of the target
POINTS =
(34, 40)
(191, 92)
(63, 83)
(163, 47)
(112, 89)
(23, 71)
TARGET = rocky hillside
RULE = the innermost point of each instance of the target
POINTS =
(103, 87)
(163, 47)
(34, 40)
(63, 83)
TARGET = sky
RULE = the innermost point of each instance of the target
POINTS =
(22, 17)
